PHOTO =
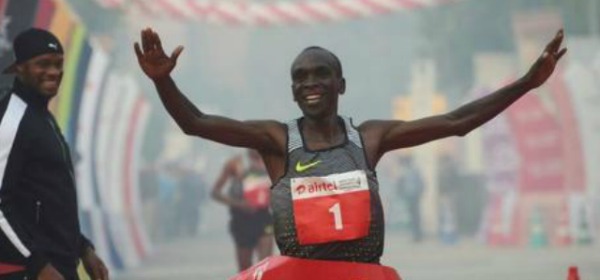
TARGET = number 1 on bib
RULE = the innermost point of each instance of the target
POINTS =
(318, 212)
(336, 210)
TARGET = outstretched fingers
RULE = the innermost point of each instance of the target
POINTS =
(138, 51)
(561, 53)
(157, 43)
(175, 54)
(554, 45)
(146, 40)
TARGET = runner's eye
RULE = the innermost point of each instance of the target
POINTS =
(44, 63)
(299, 76)
(58, 64)
(322, 72)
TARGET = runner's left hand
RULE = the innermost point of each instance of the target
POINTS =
(543, 68)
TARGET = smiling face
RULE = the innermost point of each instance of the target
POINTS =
(316, 82)
(42, 73)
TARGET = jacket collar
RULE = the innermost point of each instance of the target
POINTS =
(30, 96)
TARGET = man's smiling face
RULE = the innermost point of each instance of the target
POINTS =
(316, 82)
(42, 73)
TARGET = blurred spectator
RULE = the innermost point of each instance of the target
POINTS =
(411, 188)
(149, 197)
(251, 223)
(192, 190)
(449, 184)
(168, 178)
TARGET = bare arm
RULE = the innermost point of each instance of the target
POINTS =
(217, 189)
(384, 136)
(229, 171)
(251, 134)
(259, 135)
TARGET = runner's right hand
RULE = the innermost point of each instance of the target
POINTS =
(152, 58)
(49, 273)
(244, 206)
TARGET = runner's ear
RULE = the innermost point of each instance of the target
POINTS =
(342, 86)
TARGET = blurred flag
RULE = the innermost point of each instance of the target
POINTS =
(111, 4)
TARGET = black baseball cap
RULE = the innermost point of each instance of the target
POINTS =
(31, 43)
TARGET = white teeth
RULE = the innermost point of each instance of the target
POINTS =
(313, 98)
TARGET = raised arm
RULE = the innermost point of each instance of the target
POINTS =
(384, 136)
(259, 135)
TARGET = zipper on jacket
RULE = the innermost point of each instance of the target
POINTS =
(60, 143)
(62, 146)
(38, 208)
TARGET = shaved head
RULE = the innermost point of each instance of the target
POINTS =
(337, 65)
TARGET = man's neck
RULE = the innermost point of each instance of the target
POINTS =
(323, 131)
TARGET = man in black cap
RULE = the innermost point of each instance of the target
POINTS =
(39, 224)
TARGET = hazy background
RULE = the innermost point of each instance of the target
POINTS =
(523, 198)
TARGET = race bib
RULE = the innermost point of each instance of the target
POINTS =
(256, 190)
(331, 208)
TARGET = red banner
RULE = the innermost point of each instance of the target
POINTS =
(45, 12)
(539, 142)
(572, 143)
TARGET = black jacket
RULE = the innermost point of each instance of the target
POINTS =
(38, 204)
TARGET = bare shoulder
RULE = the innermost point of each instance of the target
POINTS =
(270, 126)
(370, 124)
(377, 127)
(276, 132)
(374, 133)
(273, 154)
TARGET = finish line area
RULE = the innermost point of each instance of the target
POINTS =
(209, 257)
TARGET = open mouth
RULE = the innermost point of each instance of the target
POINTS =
(312, 97)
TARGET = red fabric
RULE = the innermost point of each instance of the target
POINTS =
(281, 267)
(6, 268)
(258, 198)
(257, 191)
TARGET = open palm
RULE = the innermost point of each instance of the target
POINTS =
(541, 70)
(152, 58)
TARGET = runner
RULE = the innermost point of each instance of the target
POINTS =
(325, 198)
(251, 224)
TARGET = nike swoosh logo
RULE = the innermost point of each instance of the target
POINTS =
(303, 167)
